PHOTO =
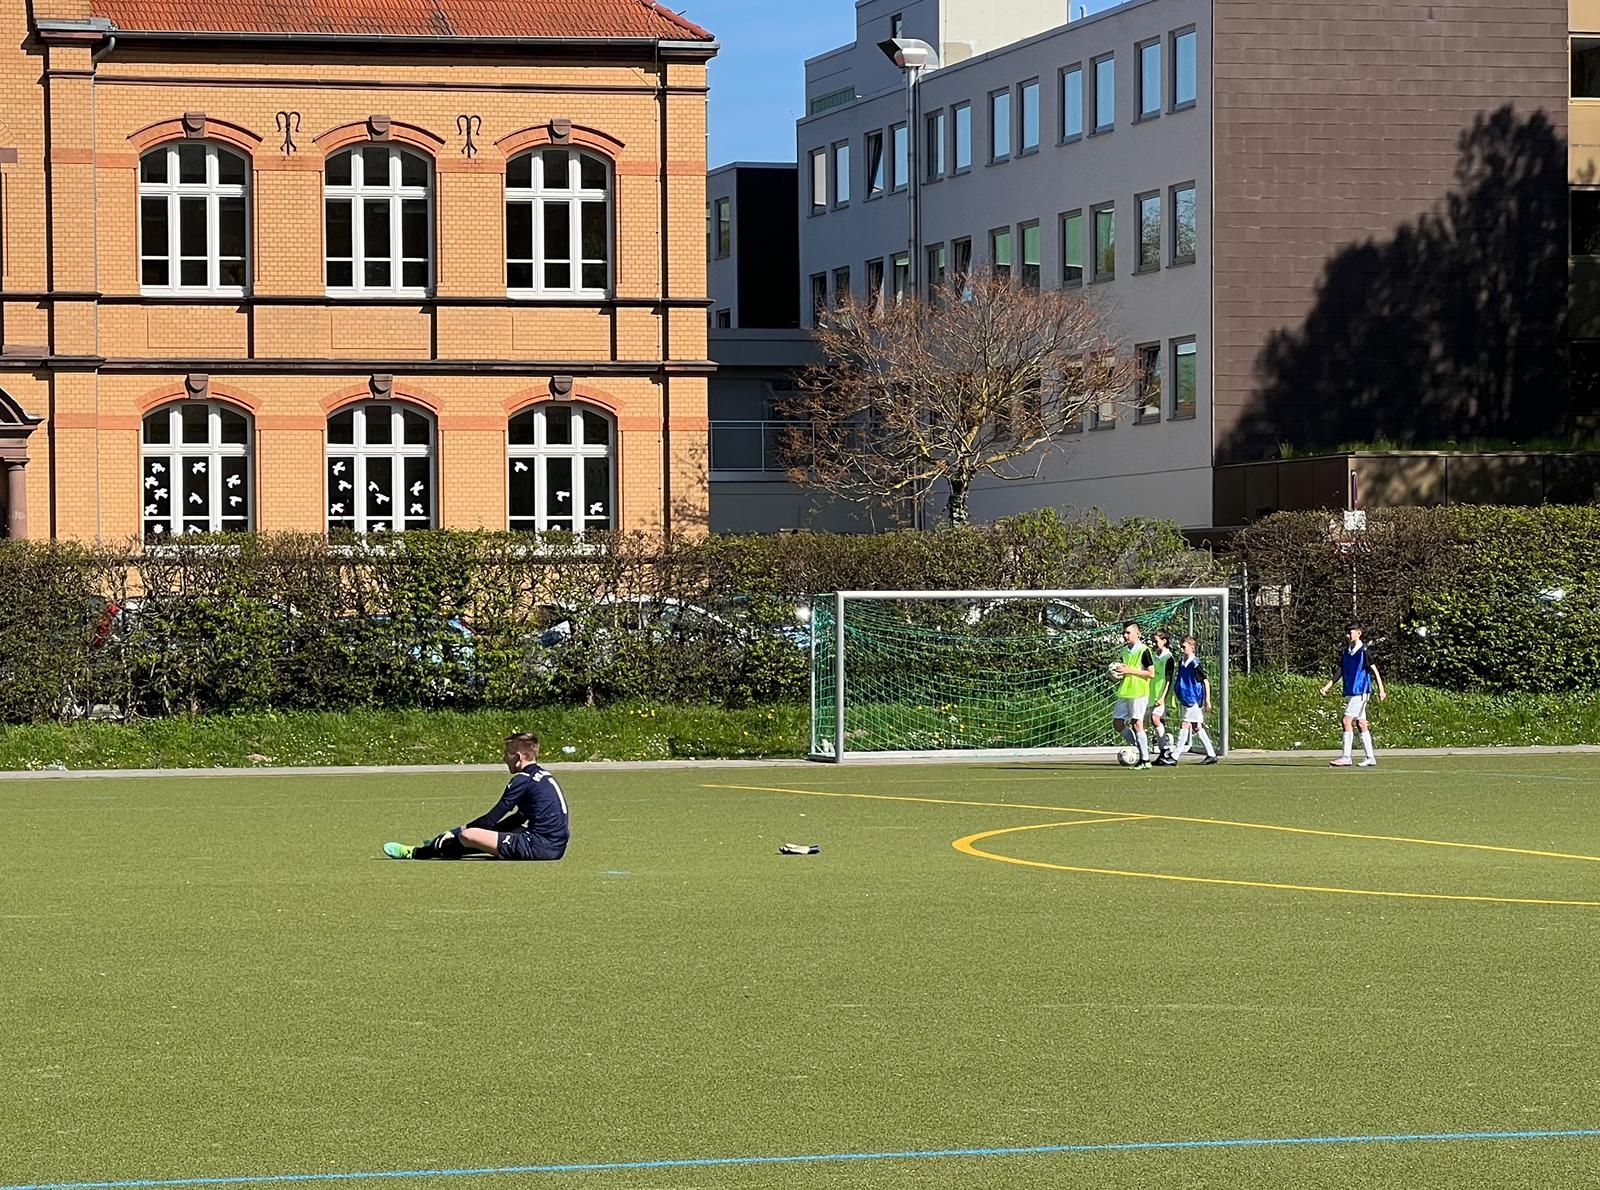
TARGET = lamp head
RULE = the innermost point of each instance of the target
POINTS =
(910, 53)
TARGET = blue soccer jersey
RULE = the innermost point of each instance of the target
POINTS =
(1191, 682)
(1355, 668)
(534, 803)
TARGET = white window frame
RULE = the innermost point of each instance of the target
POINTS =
(182, 455)
(397, 449)
(575, 197)
(537, 455)
(211, 190)
(357, 193)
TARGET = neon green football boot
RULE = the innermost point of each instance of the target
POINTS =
(397, 850)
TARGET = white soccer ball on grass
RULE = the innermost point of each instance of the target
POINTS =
(1128, 757)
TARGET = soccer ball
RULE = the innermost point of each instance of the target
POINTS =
(1127, 757)
(1111, 668)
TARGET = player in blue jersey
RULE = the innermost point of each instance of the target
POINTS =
(1193, 689)
(528, 822)
(1359, 678)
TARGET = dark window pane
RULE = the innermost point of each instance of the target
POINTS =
(558, 425)
(196, 487)
(596, 429)
(376, 273)
(342, 428)
(1586, 223)
(414, 274)
(519, 171)
(520, 430)
(158, 427)
(153, 226)
(341, 274)
(192, 226)
(594, 230)
(597, 490)
(192, 164)
(231, 273)
(230, 226)
(196, 424)
(235, 488)
(591, 172)
(558, 487)
(341, 241)
(380, 425)
(1072, 249)
(235, 430)
(1183, 380)
(341, 491)
(416, 427)
(414, 228)
(153, 166)
(159, 479)
(379, 494)
(557, 231)
(153, 272)
(339, 168)
(519, 230)
(375, 167)
(522, 475)
(558, 276)
(1150, 232)
(413, 170)
(375, 228)
(594, 276)
(192, 273)
(553, 169)
(418, 494)
(519, 276)
(230, 168)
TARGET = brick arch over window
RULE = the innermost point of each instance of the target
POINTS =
(180, 391)
(222, 131)
(359, 133)
(403, 393)
(581, 138)
(521, 401)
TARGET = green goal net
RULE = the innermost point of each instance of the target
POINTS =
(1003, 672)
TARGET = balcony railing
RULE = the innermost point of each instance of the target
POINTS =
(753, 448)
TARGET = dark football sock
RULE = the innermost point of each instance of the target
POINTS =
(445, 846)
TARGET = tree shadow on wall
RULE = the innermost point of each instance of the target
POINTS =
(1454, 328)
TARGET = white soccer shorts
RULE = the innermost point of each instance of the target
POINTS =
(1356, 707)
(1130, 710)
(1193, 715)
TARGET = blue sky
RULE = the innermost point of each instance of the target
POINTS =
(758, 79)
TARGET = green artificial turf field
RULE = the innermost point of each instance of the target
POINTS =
(221, 978)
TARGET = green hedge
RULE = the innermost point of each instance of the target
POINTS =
(1462, 598)
(453, 620)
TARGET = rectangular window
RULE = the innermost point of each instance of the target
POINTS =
(819, 296)
(1029, 232)
(724, 209)
(1586, 222)
(1071, 103)
(1105, 93)
(1030, 117)
(724, 320)
(1184, 378)
(875, 282)
(841, 286)
(961, 261)
(933, 146)
(1071, 249)
(1147, 381)
(1183, 224)
(1105, 242)
(819, 181)
(1149, 233)
(841, 173)
(962, 114)
(1184, 79)
(1000, 251)
(902, 276)
(1149, 80)
(935, 274)
(1000, 125)
(875, 176)
(902, 157)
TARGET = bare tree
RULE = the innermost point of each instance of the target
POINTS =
(983, 379)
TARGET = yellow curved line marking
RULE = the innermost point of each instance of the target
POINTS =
(1255, 826)
(966, 847)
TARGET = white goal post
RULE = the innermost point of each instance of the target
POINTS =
(993, 674)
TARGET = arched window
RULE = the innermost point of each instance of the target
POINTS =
(558, 224)
(192, 236)
(197, 476)
(380, 468)
(560, 463)
(378, 221)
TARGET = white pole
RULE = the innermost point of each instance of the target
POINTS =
(1226, 684)
(838, 678)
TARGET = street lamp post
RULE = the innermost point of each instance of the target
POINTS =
(915, 58)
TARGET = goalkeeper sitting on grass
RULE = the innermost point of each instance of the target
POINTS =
(528, 822)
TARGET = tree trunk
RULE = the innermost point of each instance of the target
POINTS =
(956, 507)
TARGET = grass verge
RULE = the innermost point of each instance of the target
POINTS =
(1269, 711)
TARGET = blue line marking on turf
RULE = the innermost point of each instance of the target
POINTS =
(1133, 1146)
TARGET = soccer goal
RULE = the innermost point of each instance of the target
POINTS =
(992, 673)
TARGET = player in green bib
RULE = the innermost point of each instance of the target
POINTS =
(1134, 671)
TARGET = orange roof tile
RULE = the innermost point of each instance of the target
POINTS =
(577, 19)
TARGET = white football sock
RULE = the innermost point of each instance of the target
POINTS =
(1366, 745)
(1205, 741)
(1347, 738)
(1143, 742)
(1183, 740)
